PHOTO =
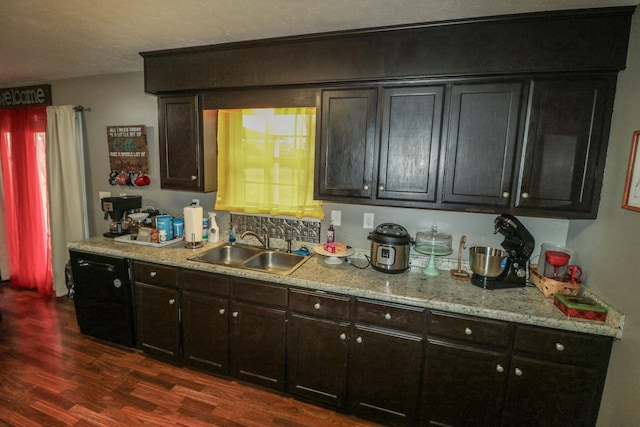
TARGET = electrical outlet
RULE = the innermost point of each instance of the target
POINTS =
(336, 217)
(104, 194)
(368, 221)
(123, 194)
(195, 202)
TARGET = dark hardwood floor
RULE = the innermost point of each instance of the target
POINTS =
(51, 375)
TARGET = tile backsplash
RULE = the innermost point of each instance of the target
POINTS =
(278, 228)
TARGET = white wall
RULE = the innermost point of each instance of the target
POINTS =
(610, 249)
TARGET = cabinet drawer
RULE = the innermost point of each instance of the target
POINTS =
(155, 274)
(205, 282)
(393, 316)
(261, 293)
(470, 329)
(563, 346)
(319, 304)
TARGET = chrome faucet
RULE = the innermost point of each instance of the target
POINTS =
(263, 240)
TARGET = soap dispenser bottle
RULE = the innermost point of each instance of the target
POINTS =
(214, 230)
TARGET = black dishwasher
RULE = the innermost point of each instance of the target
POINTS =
(103, 297)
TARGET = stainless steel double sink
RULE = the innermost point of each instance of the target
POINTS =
(248, 257)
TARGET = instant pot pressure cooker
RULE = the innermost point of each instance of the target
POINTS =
(390, 248)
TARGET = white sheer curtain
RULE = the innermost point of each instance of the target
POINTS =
(67, 188)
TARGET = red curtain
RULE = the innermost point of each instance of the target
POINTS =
(24, 174)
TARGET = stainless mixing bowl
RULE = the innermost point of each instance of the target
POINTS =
(486, 261)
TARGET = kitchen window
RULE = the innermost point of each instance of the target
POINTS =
(266, 161)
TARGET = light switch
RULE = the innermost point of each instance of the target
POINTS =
(336, 217)
(368, 220)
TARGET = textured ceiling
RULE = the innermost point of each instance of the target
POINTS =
(45, 40)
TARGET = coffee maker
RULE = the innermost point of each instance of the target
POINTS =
(116, 208)
(518, 244)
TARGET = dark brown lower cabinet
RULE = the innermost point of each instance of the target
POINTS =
(157, 317)
(385, 372)
(546, 394)
(317, 359)
(205, 337)
(463, 385)
(258, 333)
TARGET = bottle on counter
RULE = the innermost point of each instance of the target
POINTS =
(232, 238)
(205, 228)
(331, 233)
(214, 230)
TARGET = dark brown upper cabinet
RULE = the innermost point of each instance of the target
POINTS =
(481, 144)
(410, 143)
(395, 158)
(565, 145)
(346, 147)
(187, 156)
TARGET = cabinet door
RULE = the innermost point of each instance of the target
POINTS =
(317, 364)
(385, 372)
(565, 146)
(481, 144)
(409, 149)
(157, 320)
(547, 394)
(205, 332)
(258, 344)
(181, 166)
(346, 151)
(463, 386)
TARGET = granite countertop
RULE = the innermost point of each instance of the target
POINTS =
(522, 305)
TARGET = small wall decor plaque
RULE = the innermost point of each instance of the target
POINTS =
(128, 149)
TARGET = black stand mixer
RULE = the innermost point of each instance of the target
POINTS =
(519, 245)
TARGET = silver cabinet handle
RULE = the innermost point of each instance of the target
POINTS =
(525, 195)
(518, 372)
(193, 177)
(499, 368)
(468, 331)
(234, 314)
(172, 301)
(316, 306)
(505, 194)
(343, 336)
(387, 316)
(366, 187)
(559, 347)
(381, 188)
(153, 274)
(359, 340)
(222, 311)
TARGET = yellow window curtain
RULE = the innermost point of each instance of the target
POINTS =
(266, 161)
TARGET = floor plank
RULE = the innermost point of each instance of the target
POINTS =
(51, 375)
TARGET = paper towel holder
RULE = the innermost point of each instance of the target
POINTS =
(193, 244)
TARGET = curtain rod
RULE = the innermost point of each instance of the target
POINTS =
(81, 108)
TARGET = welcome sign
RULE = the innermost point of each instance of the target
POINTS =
(25, 96)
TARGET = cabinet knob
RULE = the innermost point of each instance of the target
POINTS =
(387, 316)
(366, 187)
(153, 274)
(468, 331)
(234, 314)
(381, 188)
(518, 372)
(172, 301)
(343, 336)
(559, 347)
(193, 177)
(525, 195)
(505, 194)
(316, 306)
(222, 311)
(359, 340)
(499, 368)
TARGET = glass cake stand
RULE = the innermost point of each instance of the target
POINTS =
(434, 244)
